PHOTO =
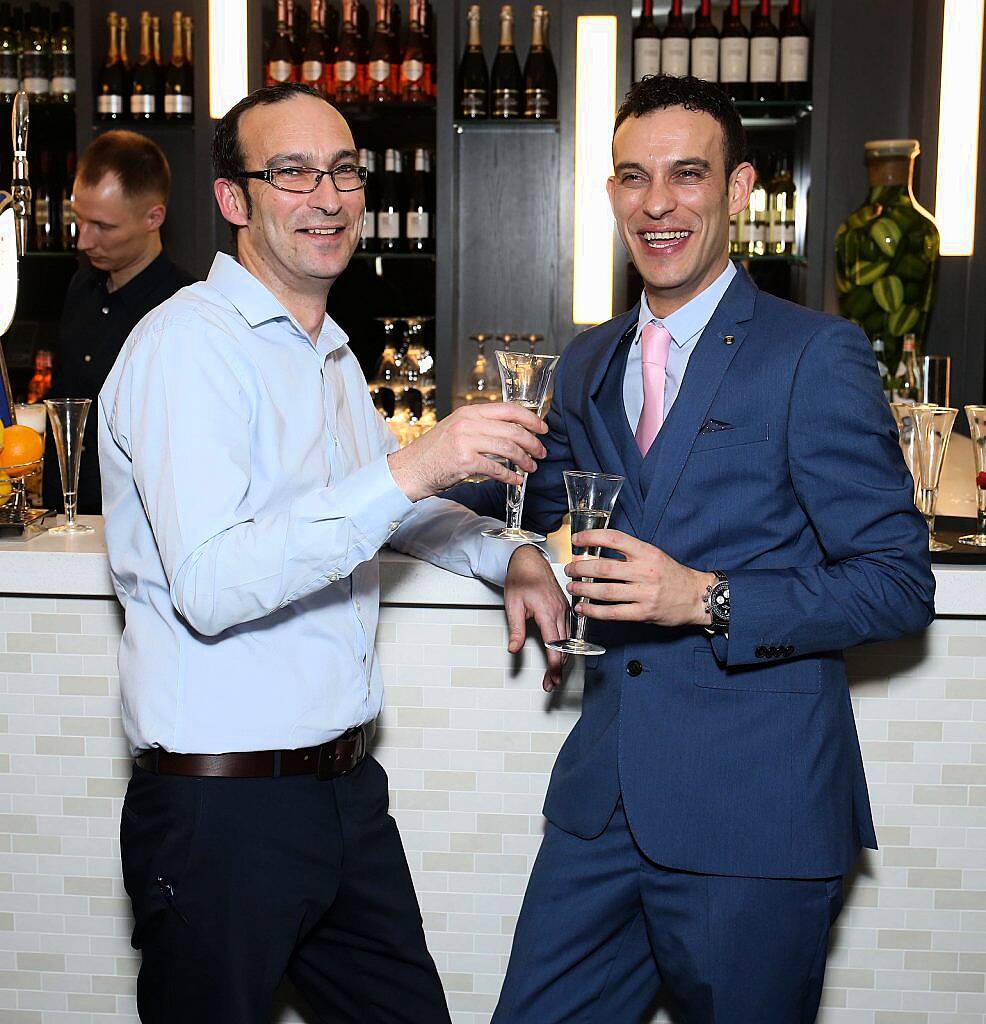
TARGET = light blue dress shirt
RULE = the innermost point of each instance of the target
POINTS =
(685, 326)
(246, 494)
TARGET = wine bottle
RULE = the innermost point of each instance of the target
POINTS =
(646, 44)
(36, 58)
(125, 58)
(734, 54)
(70, 227)
(362, 21)
(415, 70)
(9, 57)
(705, 45)
(506, 81)
(417, 217)
(156, 50)
(368, 239)
(280, 59)
(540, 77)
(350, 62)
(295, 43)
(474, 77)
(781, 209)
(389, 205)
(178, 96)
(112, 75)
(381, 71)
(676, 44)
(428, 39)
(44, 236)
(330, 40)
(795, 54)
(907, 379)
(188, 30)
(757, 222)
(313, 54)
(143, 98)
(764, 54)
(62, 57)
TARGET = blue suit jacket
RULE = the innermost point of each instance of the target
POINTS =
(779, 464)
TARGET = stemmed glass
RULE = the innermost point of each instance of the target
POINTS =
(591, 497)
(933, 429)
(524, 379)
(907, 435)
(976, 415)
(68, 422)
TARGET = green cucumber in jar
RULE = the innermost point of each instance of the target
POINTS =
(886, 233)
(889, 292)
(903, 320)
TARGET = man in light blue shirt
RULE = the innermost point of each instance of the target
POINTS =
(248, 484)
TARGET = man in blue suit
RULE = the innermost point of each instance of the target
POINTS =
(705, 808)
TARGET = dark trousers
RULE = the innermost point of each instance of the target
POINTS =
(603, 930)
(238, 882)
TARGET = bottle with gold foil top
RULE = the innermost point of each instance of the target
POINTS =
(178, 78)
(111, 89)
(540, 76)
(506, 80)
(415, 68)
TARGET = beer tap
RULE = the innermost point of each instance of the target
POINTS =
(14, 214)
(21, 186)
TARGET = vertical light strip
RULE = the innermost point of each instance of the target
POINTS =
(595, 111)
(958, 125)
(228, 82)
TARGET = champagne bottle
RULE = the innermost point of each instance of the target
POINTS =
(646, 44)
(368, 239)
(676, 44)
(36, 58)
(294, 44)
(178, 96)
(112, 75)
(506, 81)
(143, 99)
(734, 54)
(418, 226)
(781, 209)
(389, 205)
(156, 50)
(540, 77)
(313, 54)
(764, 55)
(62, 57)
(415, 70)
(350, 62)
(9, 57)
(280, 59)
(705, 45)
(381, 69)
(188, 30)
(474, 77)
(795, 53)
(125, 57)
(70, 227)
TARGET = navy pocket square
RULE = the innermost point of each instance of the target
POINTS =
(713, 426)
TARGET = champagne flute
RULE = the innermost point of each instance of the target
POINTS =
(977, 428)
(68, 422)
(933, 428)
(591, 497)
(524, 379)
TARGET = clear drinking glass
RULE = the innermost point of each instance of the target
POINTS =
(591, 498)
(933, 429)
(524, 379)
(68, 421)
(907, 435)
(976, 414)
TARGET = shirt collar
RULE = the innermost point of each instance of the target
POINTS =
(694, 316)
(137, 288)
(257, 304)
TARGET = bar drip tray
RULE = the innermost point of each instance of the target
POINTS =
(18, 523)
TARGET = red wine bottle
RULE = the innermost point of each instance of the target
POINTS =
(795, 54)
(646, 44)
(705, 45)
(734, 54)
(765, 48)
(676, 44)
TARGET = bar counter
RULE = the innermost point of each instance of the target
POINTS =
(468, 738)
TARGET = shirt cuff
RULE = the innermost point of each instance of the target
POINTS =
(378, 504)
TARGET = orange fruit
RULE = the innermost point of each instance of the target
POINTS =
(20, 445)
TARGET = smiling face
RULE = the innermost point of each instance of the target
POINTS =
(297, 242)
(672, 201)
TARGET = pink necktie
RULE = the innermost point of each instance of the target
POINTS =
(655, 344)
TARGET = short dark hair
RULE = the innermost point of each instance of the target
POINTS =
(227, 154)
(138, 164)
(658, 92)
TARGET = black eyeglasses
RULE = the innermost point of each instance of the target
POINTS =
(345, 177)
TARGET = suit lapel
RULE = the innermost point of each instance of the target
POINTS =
(706, 367)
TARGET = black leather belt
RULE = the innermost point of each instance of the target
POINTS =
(327, 761)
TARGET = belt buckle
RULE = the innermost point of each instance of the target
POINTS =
(325, 767)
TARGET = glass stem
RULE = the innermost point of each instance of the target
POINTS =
(930, 520)
(515, 500)
(580, 619)
(71, 499)
(981, 522)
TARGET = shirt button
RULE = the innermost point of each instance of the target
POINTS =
(87, 358)
(334, 577)
(393, 526)
(634, 668)
(761, 651)
(106, 309)
(358, 606)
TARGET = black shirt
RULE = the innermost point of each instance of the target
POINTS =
(95, 324)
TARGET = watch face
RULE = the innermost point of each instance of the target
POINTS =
(719, 601)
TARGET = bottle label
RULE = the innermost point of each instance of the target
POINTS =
(506, 103)
(794, 58)
(35, 86)
(42, 211)
(8, 86)
(705, 59)
(62, 84)
(68, 213)
(142, 103)
(388, 224)
(412, 70)
(538, 103)
(379, 70)
(177, 103)
(734, 59)
(108, 104)
(311, 72)
(417, 224)
(646, 57)
(787, 235)
(757, 231)
(674, 57)
(369, 224)
(774, 228)
(279, 70)
(345, 71)
(763, 59)
(473, 103)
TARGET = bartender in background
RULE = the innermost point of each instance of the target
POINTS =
(120, 200)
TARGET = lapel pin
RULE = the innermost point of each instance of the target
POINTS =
(728, 340)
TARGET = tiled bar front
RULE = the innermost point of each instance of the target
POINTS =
(468, 739)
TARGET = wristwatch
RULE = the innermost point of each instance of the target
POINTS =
(716, 601)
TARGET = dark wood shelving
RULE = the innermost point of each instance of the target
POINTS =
(507, 125)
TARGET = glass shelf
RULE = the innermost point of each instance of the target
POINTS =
(774, 114)
(507, 125)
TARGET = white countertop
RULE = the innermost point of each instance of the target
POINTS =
(77, 567)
